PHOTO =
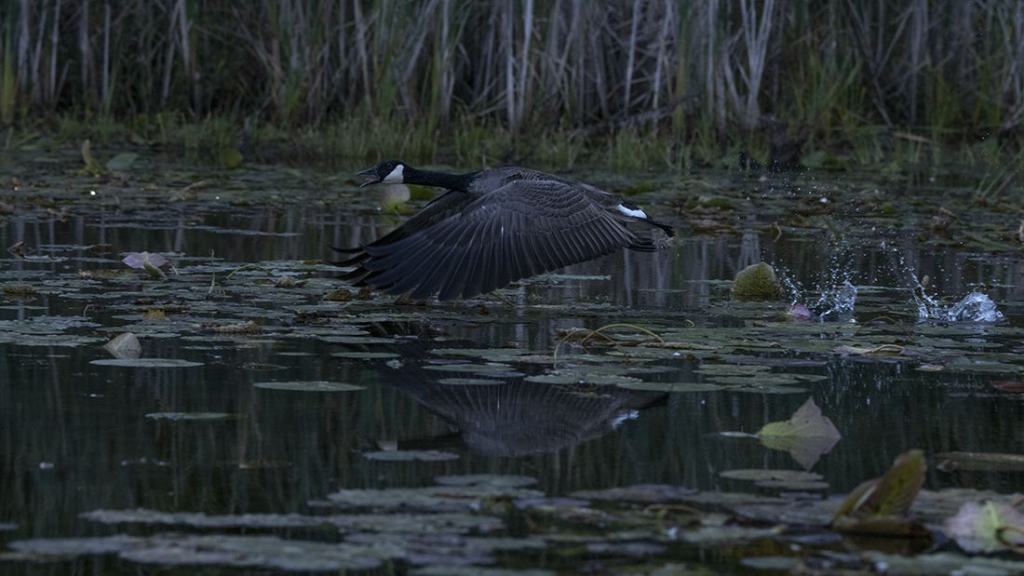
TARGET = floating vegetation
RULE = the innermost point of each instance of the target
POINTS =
(146, 363)
(365, 355)
(881, 507)
(308, 386)
(124, 345)
(807, 435)
(624, 370)
(672, 387)
(950, 461)
(410, 456)
(215, 550)
(188, 416)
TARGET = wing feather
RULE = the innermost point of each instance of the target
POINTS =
(466, 244)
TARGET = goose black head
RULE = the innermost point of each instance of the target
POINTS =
(388, 172)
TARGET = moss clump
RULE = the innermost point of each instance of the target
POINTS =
(756, 282)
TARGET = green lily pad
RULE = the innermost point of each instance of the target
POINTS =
(807, 435)
(491, 480)
(410, 456)
(470, 382)
(365, 355)
(188, 416)
(146, 363)
(309, 386)
(763, 475)
(674, 387)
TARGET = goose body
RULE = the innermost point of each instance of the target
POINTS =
(491, 228)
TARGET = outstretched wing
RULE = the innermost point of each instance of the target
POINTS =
(523, 228)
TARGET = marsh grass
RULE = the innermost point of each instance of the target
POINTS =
(636, 82)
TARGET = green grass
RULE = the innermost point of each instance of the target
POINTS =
(471, 142)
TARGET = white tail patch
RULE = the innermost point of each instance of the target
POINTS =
(395, 177)
(635, 213)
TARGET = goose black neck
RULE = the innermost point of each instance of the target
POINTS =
(458, 182)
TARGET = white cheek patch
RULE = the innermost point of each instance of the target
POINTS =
(635, 213)
(395, 177)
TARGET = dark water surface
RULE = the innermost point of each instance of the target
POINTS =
(75, 436)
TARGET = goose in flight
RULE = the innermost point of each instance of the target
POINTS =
(491, 228)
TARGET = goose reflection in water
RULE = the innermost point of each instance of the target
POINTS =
(518, 418)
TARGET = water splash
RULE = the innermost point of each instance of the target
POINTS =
(837, 294)
(974, 307)
(837, 300)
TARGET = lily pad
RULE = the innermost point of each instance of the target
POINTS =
(807, 435)
(949, 461)
(125, 345)
(492, 480)
(470, 381)
(366, 355)
(146, 363)
(671, 387)
(309, 386)
(716, 535)
(410, 456)
(188, 416)
(262, 552)
(761, 475)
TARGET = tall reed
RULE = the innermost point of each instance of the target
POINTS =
(686, 68)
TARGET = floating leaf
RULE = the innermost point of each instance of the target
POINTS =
(492, 480)
(672, 387)
(20, 291)
(430, 498)
(262, 552)
(948, 461)
(309, 386)
(711, 535)
(410, 456)
(582, 377)
(807, 435)
(248, 327)
(469, 381)
(142, 260)
(365, 355)
(125, 345)
(187, 416)
(154, 315)
(644, 493)
(122, 161)
(801, 486)
(987, 527)
(146, 363)
(943, 563)
(881, 350)
(758, 474)
(880, 506)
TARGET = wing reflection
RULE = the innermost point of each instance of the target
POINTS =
(517, 418)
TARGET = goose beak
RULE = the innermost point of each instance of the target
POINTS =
(370, 173)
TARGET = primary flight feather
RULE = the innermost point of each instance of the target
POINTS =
(491, 228)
